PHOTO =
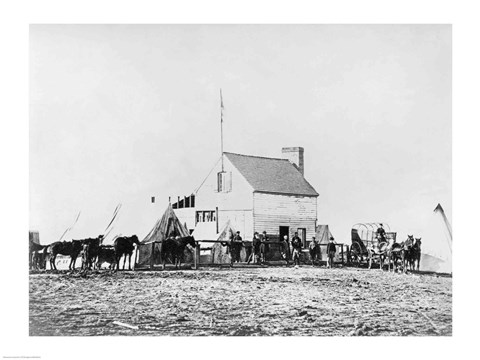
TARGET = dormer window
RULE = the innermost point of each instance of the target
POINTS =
(224, 181)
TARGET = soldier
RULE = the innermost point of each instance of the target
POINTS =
(255, 254)
(297, 248)
(331, 250)
(264, 248)
(314, 249)
(236, 248)
(286, 248)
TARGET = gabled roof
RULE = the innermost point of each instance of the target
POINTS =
(271, 175)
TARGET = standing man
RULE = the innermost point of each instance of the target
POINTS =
(297, 248)
(255, 254)
(331, 250)
(264, 247)
(285, 248)
(236, 248)
(314, 249)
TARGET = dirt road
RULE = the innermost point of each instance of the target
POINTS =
(242, 301)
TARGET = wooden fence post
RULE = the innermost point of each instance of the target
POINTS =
(195, 260)
(152, 254)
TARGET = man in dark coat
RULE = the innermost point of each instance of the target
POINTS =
(331, 250)
(236, 248)
(297, 248)
(265, 241)
(255, 255)
(381, 233)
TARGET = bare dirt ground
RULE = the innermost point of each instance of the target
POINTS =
(241, 301)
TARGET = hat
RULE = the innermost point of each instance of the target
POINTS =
(238, 232)
(264, 232)
(381, 224)
(331, 238)
(255, 233)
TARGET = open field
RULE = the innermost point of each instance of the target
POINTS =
(241, 301)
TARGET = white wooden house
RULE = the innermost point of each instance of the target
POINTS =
(256, 194)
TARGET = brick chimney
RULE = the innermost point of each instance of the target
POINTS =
(295, 156)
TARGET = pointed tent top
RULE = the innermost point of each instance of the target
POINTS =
(168, 225)
(227, 231)
(438, 208)
(323, 234)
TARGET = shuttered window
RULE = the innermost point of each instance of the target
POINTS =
(224, 181)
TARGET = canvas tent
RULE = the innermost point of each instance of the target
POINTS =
(323, 235)
(167, 226)
(436, 243)
(211, 252)
(220, 254)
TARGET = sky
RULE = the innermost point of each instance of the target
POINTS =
(120, 113)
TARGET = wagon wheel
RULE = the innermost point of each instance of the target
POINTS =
(355, 251)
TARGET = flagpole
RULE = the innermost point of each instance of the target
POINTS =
(221, 125)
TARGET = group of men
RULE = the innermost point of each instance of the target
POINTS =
(255, 251)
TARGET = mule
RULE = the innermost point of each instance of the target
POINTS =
(174, 248)
(391, 254)
(416, 254)
(406, 252)
(124, 246)
(69, 248)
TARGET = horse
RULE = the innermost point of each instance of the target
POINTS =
(406, 252)
(90, 251)
(174, 248)
(415, 254)
(390, 252)
(123, 246)
(72, 248)
(105, 253)
(314, 250)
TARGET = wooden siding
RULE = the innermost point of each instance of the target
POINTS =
(272, 211)
(241, 220)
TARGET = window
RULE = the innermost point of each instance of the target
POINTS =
(205, 216)
(224, 181)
